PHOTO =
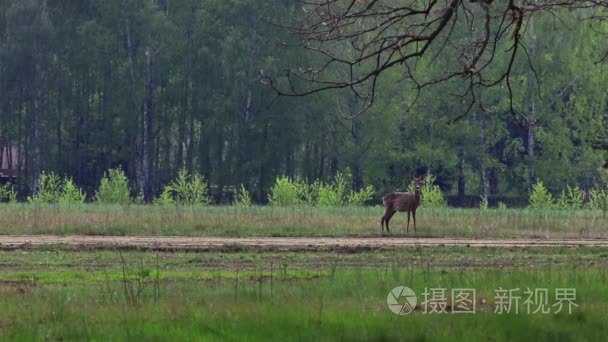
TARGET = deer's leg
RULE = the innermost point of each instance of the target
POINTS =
(414, 217)
(389, 215)
(408, 222)
(383, 219)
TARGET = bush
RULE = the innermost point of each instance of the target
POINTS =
(186, 189)
(571, 198)
(114, 188)
(8, 193)
(598, 199)
(71, 194)
(242, 198)
(284, 192)
(541, 198)
(332, 194)
(308, 194)
(287, 192)
(358, 198)
(483, 203)
(49, 190)
(166, 197)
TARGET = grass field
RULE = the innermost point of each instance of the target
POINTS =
(301, 221)
(49, 293)
(68, 295)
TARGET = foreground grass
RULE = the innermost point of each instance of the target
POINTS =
(61, 295)
(306, 221)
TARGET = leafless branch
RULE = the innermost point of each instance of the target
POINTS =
(364, 38)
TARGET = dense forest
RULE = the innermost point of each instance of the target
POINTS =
(154, 86)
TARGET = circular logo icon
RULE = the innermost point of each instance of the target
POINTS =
(401, 300)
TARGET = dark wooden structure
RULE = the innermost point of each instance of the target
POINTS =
(9, 160)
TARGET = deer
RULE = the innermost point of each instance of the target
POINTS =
(402, 201)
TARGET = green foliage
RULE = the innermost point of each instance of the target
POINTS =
(307, 193)
(186, 189)
(502, 206)
(541, 198)
(598, 199)
(288, 192)
(8, 193)
(242, 198)
(71, 194)
(310, 135)
(114, 188)
(166, 197)
(571, 198)
(53, 189)
(285, 192)
(49, 190)
(358, 198)
(483, 203)
(332, 194)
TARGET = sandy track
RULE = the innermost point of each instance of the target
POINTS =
(175, 243)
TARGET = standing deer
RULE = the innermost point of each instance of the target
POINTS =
(402, 201)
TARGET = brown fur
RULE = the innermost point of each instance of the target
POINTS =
(402, 202)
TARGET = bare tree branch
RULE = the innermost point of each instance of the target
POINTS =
(365, 38)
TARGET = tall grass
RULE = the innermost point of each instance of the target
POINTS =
(293, 221)
(348, 303)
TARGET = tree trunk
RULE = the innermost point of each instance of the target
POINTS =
(461, 175)
(531, 120)
(357, 164)
(148, 138)
(355, 133)
(36, 160)
(253, 53)
(132, 137)
(485, 187)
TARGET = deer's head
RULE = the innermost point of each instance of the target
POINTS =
(418, 182)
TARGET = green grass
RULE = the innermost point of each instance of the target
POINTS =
(64, 295)
(297, 221)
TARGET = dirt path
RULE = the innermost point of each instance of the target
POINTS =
(175, 243)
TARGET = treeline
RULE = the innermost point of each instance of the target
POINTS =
(156, 86)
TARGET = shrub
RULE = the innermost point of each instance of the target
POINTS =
(8, 193)
(114, 188)
(71, 194)
(541, 198)
(598, 199)
(186, 189)
(307, 193)
(483, 203)
(502, 206)
(49, 189)
(284, 192)
(287, 192)
(166, 197)
(571, 198)
(358, 198)
(332, 194)
(242, 198)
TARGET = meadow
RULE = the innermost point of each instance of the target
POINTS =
(51, 294)
(99, 219)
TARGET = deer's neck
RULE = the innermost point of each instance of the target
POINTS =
(417, 195)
